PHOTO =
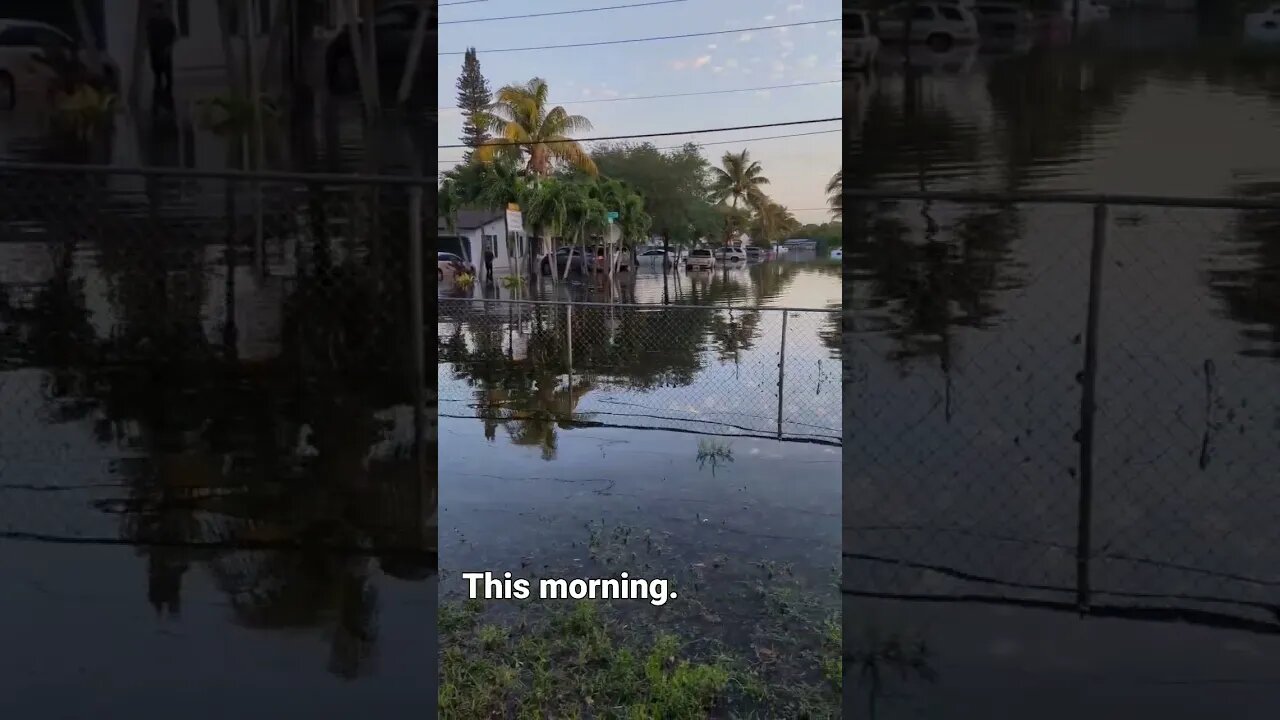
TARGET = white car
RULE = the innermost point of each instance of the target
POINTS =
(1264, 25)
(22, 77)
(655, 255)
(731, 254)
(940, 25)
(860, 46)
(700, 259)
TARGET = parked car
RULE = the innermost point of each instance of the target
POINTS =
(837, 254)
(1002, 24)
(451, 266)
(755, 254)
(860, 46)
(393, 27)
(1263, 26)
(939, 25)
(21, 74)
(655, 255)
(572, 257)
(730, 254)
(700, 259)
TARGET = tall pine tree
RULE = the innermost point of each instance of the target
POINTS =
(474, 99)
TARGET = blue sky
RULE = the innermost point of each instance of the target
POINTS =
(798, 167)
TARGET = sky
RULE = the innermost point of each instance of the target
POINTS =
(594, 81)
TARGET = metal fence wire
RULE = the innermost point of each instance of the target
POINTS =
(180, 350)
(1063, 402)
(767, 372)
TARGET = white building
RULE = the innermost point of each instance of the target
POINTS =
(473, 231)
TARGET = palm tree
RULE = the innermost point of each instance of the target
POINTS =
(528, 130)
(772, 221)
(835, 199)
(738, 178)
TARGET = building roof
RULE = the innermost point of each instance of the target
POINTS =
(470, 219)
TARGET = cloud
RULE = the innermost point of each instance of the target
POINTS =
(717, 69)
(745, 37)
(809, 61)
(756, 60)
(699, 62)
(833, 33)
(762, 93)
(768, 18)
(609, 93)
(782, 30)
(678, 64)
(586, 92)
(712, 46)
(731, 63)
(795, 7)
(779, 66)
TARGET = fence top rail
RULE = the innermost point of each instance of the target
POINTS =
(635, 306)
(966, 196)
(197, 174)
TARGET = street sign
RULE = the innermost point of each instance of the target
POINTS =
(613, 215)
(515, 219)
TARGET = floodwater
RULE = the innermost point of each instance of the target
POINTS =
(964, 343)
(608, 438)
(214, 498)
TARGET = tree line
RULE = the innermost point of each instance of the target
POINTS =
(522, 149)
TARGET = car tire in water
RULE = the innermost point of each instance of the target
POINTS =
(8, 92)
(939, 42)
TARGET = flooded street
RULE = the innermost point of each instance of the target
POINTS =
(965, 347)
(211, 486)
(580, 441)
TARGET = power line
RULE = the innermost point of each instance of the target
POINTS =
(561, 12)
(460, 2)
(646, 135)
(718, 142)
(646, 39)
(688, 94)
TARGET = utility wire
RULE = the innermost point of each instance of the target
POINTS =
(646, 135)
(718, 142)
(560, 12)
(460, 2)
(645, 39)
(688, 94)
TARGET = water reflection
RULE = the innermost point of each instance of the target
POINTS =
(530, 367)
(963, 355)
(247, 427)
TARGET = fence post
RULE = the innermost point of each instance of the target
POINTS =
(782, 365)
(416, 290)
(1087, 407)
(568, 313)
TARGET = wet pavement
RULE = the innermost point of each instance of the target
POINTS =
(964, 347)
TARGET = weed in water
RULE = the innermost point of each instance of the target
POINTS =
(715, 453)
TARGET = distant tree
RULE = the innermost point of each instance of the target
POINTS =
(673, 185)
(738, 178)
(835, 199)
(474, 99)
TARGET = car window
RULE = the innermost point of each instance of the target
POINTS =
(923, 12)
(951, 13)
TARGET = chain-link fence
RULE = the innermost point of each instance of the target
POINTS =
(192, 358)
(767, 372)
(1065, 403)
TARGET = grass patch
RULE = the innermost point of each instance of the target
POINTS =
(574, 663)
